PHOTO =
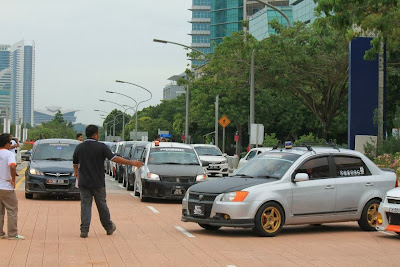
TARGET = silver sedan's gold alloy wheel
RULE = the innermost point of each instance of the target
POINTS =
(372, 214)
(271, 220)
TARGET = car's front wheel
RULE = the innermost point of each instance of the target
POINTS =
(369, 215)
(209, 227)
(269, 220)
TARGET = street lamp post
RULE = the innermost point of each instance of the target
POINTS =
(136, 119)
(114, 117)
(187, 86)
(123, 117)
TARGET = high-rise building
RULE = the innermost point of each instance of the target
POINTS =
(200, 27)
(47, 115)
(5, 80)
(173, 90)
(259, 23)
(303, 10)
(22, 63)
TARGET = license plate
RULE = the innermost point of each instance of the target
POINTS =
(394, 210)
(198, 210)
(57, 181)
(213, 167)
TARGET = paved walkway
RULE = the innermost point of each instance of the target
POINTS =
(151, 234)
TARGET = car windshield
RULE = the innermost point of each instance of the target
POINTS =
(208, 151)
(269, 165)
(137, 154)
(127, 150)
(54, 151)
(173, 155)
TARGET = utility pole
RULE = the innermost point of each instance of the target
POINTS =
(187, 115)
(252, 109)
(216, 119)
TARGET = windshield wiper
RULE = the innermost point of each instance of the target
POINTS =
(242, 175)
(267, 176)
(59, 159)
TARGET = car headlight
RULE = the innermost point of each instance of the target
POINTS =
(237, 196)
(134, 168)
(186, 195)
(153, 176)
(224, 162)
(34, 171)
(201, 177)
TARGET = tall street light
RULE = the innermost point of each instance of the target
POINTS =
(151, 95)
(187, 86)
(123, 116)
(114, 117)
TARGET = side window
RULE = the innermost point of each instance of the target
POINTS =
(350, 166)
(251, 155)
(316, 168)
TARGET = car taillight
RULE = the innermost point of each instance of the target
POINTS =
(396, 184)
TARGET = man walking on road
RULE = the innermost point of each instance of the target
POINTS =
(90, 156)
(8, 198)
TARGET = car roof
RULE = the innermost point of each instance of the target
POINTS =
(57, 140)
(170, 144)
(316, 150)
(203, 145)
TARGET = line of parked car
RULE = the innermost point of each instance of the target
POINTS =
(273, 188)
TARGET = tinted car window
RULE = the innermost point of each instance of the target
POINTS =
(316, 168)
(54, 151)
(251, 154)
(173, 155)
(208, 151)
(137, 153)
(350, 166)
(268, 165)
(127, 149)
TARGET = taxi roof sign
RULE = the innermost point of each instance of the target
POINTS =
(224, 121)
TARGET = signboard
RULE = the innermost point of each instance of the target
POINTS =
(224, 121)
(256, 134)
(236, 138)
(166, 135)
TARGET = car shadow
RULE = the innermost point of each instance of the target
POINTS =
(287, 230)
(55, 197)
(164, 201)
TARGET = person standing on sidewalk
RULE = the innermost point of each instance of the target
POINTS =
(88, 163)
(8, 198)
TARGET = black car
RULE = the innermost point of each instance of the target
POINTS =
(124, 153)
(135, 153)
(118, 152)
(50, 170)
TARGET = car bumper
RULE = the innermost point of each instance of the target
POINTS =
(390, 220)
(220, 213)
(215, 169)
(39, 185)
(164, 190)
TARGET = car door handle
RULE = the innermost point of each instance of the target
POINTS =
(329, 187)
(369, 184)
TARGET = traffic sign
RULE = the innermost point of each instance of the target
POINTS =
(224, 121)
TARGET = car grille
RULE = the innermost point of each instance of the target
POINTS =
(57, 174)
(178, 179)
(393, 218)
(56, 186)
(394, 200)
(205, 199)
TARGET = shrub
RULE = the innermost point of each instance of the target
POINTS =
(270, 140)
(310, 139)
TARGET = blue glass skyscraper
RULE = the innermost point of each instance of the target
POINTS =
(200, 27)
(5, 79)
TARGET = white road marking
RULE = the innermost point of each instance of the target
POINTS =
(386, 233)
(133, 194)
(153, 209)
(231, 266)
(120, 185)
(184, 231)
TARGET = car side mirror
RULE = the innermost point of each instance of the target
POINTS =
(224, 155)
(301, 177)
(205, 163)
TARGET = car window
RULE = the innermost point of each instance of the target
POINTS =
(56, 151)
(137, 153)
(172, 155)
(251, 155)
(317, 168)
(127, 149)
(208, 151)
(350, 166)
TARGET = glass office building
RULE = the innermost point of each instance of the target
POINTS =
(41, 116)
(200, 28)
(5, 80)
(303, 10)
(22, 63)
(259, 23)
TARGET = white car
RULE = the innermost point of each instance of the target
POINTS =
(389, 212)
(252, 153)
(213, 155)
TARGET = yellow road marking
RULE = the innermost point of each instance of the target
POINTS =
(22, 179)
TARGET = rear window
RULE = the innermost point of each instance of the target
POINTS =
(173, 155)
(55, 151)
(208, 151)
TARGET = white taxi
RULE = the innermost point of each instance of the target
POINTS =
(389, 212)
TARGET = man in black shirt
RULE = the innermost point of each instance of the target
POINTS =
(88, 162)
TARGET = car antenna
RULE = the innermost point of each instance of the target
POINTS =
(333, 144)
(277, 145)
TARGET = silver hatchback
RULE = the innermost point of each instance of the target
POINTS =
(292, 186)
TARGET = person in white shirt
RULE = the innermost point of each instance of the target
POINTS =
(14, 144)
(8, 198)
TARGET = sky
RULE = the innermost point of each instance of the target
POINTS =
(83, 46)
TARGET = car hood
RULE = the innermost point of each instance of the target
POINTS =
(228, 184)
(52, 165)
(175, 170)
(212, 159)
(394, 192)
